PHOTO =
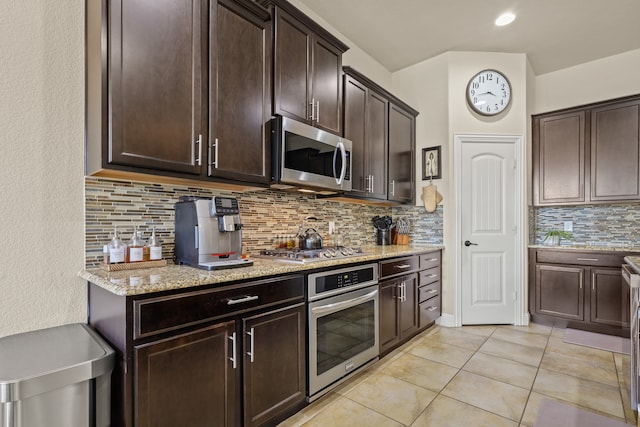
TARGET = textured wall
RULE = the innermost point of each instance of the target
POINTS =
(41, 165)
(265, 215)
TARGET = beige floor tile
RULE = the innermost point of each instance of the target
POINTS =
(501, 369)
(346, 412)
(519, 337)
(459, 338)
(392, 397)
(532, 328)
(516, 352)
(531, 410)
(623, 369)
(356, 379)
(582, 392)
(446, 412)
(318, 405)
(577, 366)
(481, 330)
(494, 396)
(558, 332)
(420, 371)
(441, 352)
(557, 345)
(296, 420)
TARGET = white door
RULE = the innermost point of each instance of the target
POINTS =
(488, 231)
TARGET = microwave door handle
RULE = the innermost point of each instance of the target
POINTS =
(343, 156)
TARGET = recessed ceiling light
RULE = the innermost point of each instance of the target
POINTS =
(505, 19)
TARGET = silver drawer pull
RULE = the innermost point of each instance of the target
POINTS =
(402, 266)
(431, 276)
(432, 259)
(241, 300)
(432, 308)
(432, 291)
(587, 259)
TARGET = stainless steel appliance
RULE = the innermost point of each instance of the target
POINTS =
(303, 256)
(343, 324)
(209, 233)
(632, 278)
(309, 158)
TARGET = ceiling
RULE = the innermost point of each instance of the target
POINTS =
(554, 34)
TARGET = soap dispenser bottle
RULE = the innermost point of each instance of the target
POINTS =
(116, 248)
(154, 246)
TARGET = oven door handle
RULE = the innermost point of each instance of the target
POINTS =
(330, 308)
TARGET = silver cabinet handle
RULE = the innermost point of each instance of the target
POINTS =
(432, 308)
(432, 291)
(317, 111)
(233, 351)
(393, 187)
(250, 352)
(243, 299)
(312, 104)
(402, 266)
(431, 276)
(587, 259)
(199, 144)
(432, 259)
(371, 182)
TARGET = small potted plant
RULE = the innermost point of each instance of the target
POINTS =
(552, 238)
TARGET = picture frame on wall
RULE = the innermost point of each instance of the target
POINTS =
(431, 163)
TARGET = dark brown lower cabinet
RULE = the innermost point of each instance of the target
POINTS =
(398, 310)
(580, 290)
(274, 364)
(184, 380)
(206, 356)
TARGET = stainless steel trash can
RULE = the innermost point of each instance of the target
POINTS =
(55, 377)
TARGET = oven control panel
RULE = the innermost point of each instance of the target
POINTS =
(332, 282)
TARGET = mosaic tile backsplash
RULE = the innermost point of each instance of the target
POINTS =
(266, 215)
(597, 225)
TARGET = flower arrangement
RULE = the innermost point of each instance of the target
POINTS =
(553, 236)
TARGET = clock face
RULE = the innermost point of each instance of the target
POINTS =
(489, 92)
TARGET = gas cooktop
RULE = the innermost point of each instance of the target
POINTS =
(311, 255)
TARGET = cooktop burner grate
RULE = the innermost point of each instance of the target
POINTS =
(310, 255)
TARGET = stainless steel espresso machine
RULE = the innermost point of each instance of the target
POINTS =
(208, 233)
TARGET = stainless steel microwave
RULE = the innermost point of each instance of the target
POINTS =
(304, 157)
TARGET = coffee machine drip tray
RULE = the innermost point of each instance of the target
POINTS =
(231, 263)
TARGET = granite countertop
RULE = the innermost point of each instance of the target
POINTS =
(578, 247)
(171, 277)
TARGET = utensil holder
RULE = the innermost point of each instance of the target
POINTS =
(383, 237)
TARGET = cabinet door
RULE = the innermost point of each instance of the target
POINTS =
(187, 380)
(156, 84)
(377, 146)
(239, 102)
(401, 143)
(560, 291)
(291, 82)
(355, 101)
(609, 297)
(325, 86)
(274, 364)
(409, 306)
(615, 152)
(389, 315)
(559, 155)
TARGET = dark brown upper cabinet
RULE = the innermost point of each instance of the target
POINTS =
(307, 69)
(180, 89)
(587, 155)
(239, 91)
(382, 129)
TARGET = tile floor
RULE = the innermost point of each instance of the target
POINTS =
(476, 376)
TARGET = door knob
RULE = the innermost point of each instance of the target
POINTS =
(468, 243)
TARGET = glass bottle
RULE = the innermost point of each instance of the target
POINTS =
(154, 247)
(135, 250)
(116, 249)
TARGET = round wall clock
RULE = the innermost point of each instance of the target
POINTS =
(489, 92)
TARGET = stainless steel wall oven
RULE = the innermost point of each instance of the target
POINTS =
(343, 324)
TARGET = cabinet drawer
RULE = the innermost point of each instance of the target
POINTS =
(429, 276)
(156, 315)
(597, 259)
(430, 260)
(398, 266)
(429, 291)
(429, 311)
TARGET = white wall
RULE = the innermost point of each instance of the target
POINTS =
(436, 88)
(41, 165)
(607, 78)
